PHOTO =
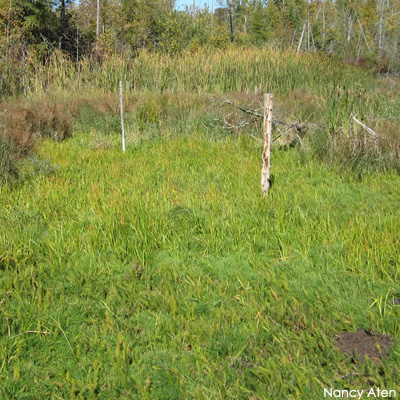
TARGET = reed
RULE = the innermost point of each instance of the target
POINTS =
(216, 71)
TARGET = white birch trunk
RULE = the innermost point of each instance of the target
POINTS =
(363, 33)
(381, 29)
(8, 36)
(323, 27)
(267, 138)
(302, 37)
(8, 24)
(97, 25)
(349, 28)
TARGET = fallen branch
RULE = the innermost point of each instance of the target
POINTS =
(241, 125)
(243, 109)
(366, 127)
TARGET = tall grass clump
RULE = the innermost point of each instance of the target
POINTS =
(341, 140)
(358, 150)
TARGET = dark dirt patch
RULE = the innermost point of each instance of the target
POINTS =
(364, 343)
(396, 301)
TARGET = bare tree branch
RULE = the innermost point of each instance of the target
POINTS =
(366, 127)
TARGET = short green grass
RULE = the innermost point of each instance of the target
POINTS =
(162, 273)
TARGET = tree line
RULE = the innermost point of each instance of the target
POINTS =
(364, 32)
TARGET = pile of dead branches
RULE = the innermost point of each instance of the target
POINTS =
(241, 119)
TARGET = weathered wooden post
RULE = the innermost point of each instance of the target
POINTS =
(121, 107)
(267, 139)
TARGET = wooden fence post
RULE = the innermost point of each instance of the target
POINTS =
(121, 107)
(267, 139)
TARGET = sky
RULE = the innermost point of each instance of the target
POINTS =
(180, 4)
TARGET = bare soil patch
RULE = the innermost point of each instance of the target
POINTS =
(364, 344)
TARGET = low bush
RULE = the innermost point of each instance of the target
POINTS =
(22, 123)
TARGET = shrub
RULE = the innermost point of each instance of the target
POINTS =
(21, 124)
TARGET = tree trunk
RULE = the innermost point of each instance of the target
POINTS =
(8, 24)
(97, 25)
(301, 37)
(267, 138)
(363, 33)
(63, 23)
(231, 23)
(349, 28)
(381, 30)
(77, 43)
(323, 27)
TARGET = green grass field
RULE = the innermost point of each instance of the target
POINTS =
(162, 273)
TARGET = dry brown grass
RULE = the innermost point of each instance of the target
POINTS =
(22, 123)
(25, 122)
